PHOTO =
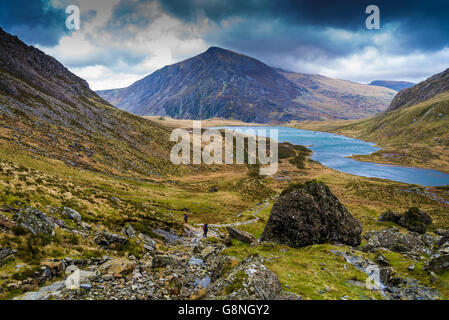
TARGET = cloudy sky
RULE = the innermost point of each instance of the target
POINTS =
(121, 41)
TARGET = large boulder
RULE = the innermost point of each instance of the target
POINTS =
(390, 216)
(311, 214)
(241, 235)
(117, 267)
(35, 221)
(415, 220)
(249, 280)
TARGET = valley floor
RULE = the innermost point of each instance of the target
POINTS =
(403, 153)
(109, 204)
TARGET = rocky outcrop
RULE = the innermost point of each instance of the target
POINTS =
(130, 232)
(6, 254)
(440, 263)
(396, 241)
(241, 235)
(249, 280)
(440, 260)
(35, 221)
(444, 238)
(390, 216)
(108, 239)
(311, 214)
(72, 214)
(148, 243)
(5, 223)
(413, 219)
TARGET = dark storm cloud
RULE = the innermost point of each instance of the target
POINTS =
(126, 13)
(419, 24)
(35, 22)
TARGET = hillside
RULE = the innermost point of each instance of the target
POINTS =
(395, 85)
(223, 84)
(345, 99)
(48, 111)
(423, 91)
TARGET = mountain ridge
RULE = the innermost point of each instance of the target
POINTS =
(220, 83)
(346, 99)
(421, 92)
(49, 111)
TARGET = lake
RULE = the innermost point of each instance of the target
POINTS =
(331, 150)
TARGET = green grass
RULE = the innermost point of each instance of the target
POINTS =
(313, 272)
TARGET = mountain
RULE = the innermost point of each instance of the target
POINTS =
(422, 91)
(395, 85)
(217, 83)
(224, 84)
(342, 98)
(47, 110)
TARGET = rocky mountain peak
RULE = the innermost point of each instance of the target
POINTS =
(48, 110)
(35, 67)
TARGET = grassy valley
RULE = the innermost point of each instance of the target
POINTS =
(108, 203)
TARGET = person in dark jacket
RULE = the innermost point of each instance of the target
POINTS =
(205, 229)
(186, 218)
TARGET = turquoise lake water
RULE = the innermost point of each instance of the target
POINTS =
(331, 150)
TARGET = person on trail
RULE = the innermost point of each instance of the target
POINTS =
(186, 218)
(205, 229)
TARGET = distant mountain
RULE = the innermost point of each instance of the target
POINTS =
(422, 91)
(344, 99)
(224, 84)
(395, 85)
(49, 111)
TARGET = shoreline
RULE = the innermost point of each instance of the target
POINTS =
(333, 127)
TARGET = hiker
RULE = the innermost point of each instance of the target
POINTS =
(205, 229)
(186, 218)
